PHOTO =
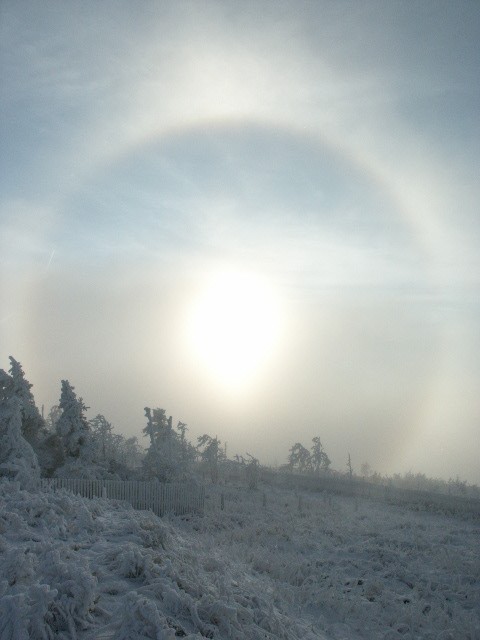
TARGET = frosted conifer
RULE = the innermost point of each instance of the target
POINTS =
(164, 458)
(17, 458)
(72, 426)
(33, 425)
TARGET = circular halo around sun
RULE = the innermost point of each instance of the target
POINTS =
(234, 326)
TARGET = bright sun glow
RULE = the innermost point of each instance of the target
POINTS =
(234, 326)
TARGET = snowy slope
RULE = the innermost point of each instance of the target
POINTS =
(272, 564)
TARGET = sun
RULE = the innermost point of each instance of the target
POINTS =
(234, 326)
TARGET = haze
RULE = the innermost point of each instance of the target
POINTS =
(262, 217)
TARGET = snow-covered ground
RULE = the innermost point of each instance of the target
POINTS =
(272, 564)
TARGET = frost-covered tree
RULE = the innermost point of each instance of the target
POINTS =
(349, 467)
(182, 430)
(118, 451)
(118, 456)
(250, 467)
(52, 418)
(102, 434)
(210, 455)
(132, 452)
(127, 456)
(33, 425)
(72, 426)
(163, 459)
(188, 451)
(34, 429)
(18, 460)
(319, 460)
(299, 458)
(157, 425)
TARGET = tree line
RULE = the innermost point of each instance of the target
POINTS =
(67, 444)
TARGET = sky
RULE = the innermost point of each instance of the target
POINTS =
(260, 216)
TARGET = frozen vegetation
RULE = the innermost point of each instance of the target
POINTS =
(302, 553)
(274, 563)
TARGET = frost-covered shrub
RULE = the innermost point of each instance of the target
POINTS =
(19, 568)
(13, 615)
(141, 619)
(76, 589)
(29, 615)
(131, 561)
(153, 532)
(42, 616)
(47, 586)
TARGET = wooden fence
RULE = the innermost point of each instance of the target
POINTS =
(176, 498)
